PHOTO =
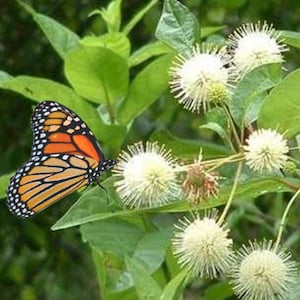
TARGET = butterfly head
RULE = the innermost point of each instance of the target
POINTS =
(109, 163)
(106, 165)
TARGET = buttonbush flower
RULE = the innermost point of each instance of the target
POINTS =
(266, 150)
(262, 272)
(146, 175)
(199, 184)
(201, 78)
(202, 245)
(254, 45)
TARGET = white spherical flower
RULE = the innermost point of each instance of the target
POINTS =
(203, 246)
(266, 150)
(254, 45)
(262, 272)
(146, 176)
(201, 78)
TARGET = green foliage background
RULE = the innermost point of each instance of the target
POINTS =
(37, 263)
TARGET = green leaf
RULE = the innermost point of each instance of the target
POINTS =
(146, 287)
(281, 109)
(216, 128)
(250, 92)
(111, 15)
(218, 291)
(112, 236)
(207, 31)
(148, 51)
(97, 74)
(116, 41)
(146, 88)
(4, 76)
(40, 89)
(188, 149)
(291, 38)
(92, 206)
(177, 26)
(173, 290)
(111, 135)
(61, 38)
(139, 16)
(107, 271)
(99, 262)
(4, 181)
(152, 248)
(247, 189)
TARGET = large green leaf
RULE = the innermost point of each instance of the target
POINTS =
(92, 202)
(90, 208)
(281, 109)
(40, 89)
(98, 74)
(250, 92)
(62, 39)
(145, 286)
(116, 41)
(4, 181)
(173, 290)
(113, 236)
(177, 26)
(146, 88)
(108, 271)
(152, 248)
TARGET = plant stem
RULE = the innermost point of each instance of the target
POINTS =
(289, 184)
(222, 160)
(232, 192)
(283, 219)
(232, 159)
(235, 135)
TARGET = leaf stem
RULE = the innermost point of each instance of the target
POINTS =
(232, 192)
(283, 219)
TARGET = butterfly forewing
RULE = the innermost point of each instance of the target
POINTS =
(59, 130)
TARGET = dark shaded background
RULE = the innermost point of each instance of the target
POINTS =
(36, 263)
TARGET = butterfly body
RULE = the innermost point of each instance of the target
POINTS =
(65, 157)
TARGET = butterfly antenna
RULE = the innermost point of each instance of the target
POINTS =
(105, 190)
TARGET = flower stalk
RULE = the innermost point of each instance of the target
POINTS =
(284, 217)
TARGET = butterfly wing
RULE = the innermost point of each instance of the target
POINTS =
(65, 157)
(44, 180)
(57, 129)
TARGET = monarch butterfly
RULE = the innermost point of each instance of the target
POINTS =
(65, 156)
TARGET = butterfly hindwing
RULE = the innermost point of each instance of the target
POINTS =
(42, 181)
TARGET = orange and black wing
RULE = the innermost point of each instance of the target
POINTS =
(42, 181)
(57, 130)
(65, 157)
